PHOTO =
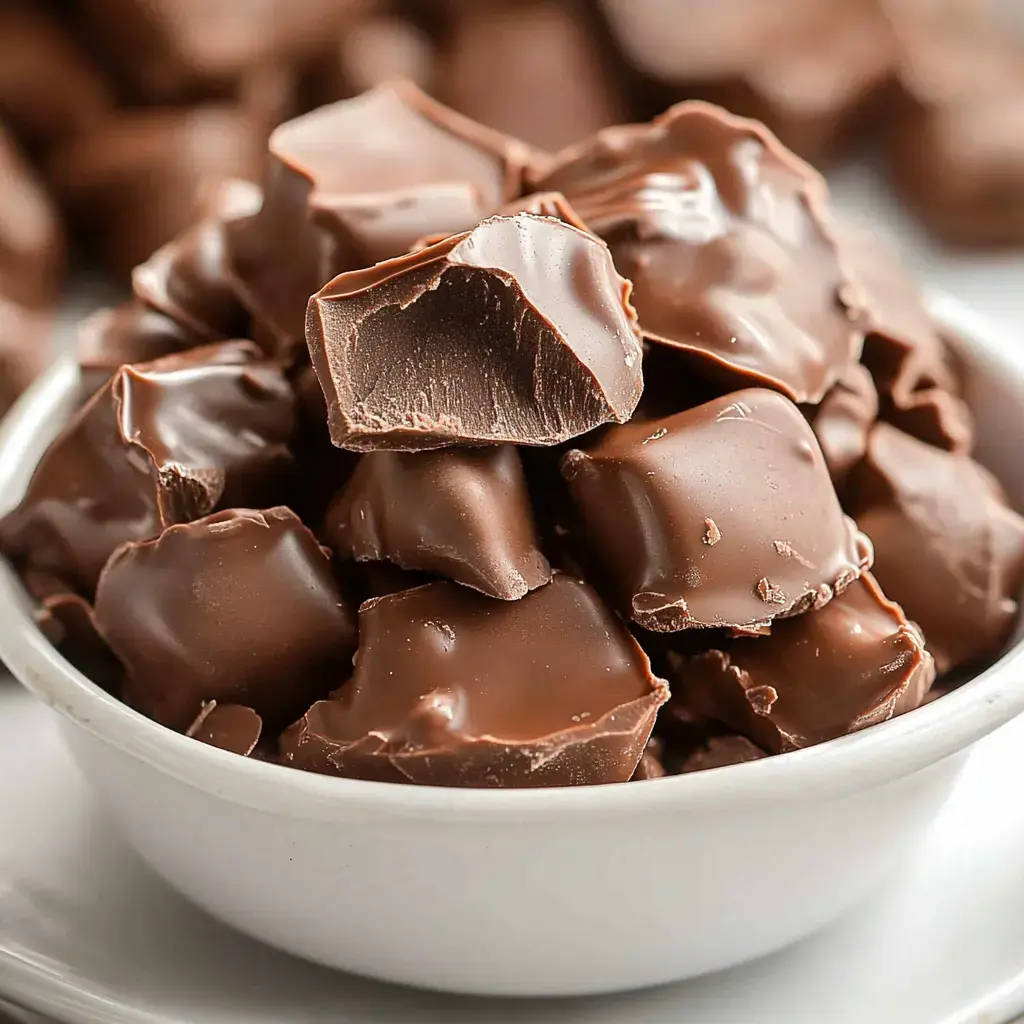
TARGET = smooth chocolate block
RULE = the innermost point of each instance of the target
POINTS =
(548, 691)
(357, 182)
(460, 513)
(948, 547)
(240, 607)
(723, 515)
(160, 443)
(843, 421)
(817, 676)
(231, 727)
(727, 239)
(517, 331)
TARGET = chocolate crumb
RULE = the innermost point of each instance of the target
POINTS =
(712, 534)
(761, 699)
(769, 592)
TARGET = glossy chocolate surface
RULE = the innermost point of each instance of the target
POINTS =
(357, 182)
(462, 513)
(548, 690)
(723, 515)
(948, 547)
(232, 727)
(728, 242)
(843, 420)
(238, 607)
(67, 622)
(517, 331)
(160, 443)
(816, 676)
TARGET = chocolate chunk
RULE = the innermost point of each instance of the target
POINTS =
(108, 339)
(650, 765)
(67, 622)
(238, 607)
(553, 87)
(727, 240)
(817, 676)
(232, 727)
(547, 691)
(161, 443)
(31, 239)
(460, 513)
(49, 91)
(188, 278)
(937, 417)
(25, 348)
(131, 185)
(718, 750)
(843, 420)
(519, 330)
(358, 182)
(750, 463)
(948, 547)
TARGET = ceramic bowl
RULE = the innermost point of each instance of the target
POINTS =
(528, 892)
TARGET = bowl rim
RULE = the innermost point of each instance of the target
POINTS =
(831, 770)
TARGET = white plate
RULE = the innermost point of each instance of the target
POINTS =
(88, 935)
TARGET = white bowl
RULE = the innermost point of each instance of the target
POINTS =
(527, 892)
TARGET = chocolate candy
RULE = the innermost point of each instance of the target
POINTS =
(358, 182)
(132, 184)
(549, 690)
(723, 515)
(49, 91)
(948, 547)
(650, 765)
(718, 750)
(726, 239)
(816, 676)
(25, 348)
(238, 607)
(231, 727)
(188, 278)
(843, 420)
(517, 331)
(67, 622)
(460, 513)
(161, 443)
(553, 87)
(31, 239)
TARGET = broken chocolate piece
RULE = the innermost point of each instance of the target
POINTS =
(936, 417)
(517, 331)
(232, 727)
(547, 691)
(238, 607)
(67, 622)
(460, 513)
(650, 765)
(188, 279)
(161, 443)
(719, 749)
(843, 420)
(727, 240)
(817, 676)
(747, 461)
(358, 182)
(948, 547)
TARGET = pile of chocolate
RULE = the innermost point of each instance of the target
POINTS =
(440, 459)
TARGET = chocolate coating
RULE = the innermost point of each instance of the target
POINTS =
(460, 513)
(357, 182)
(517, 331)
(816, 676)
(553, 87)
(726, 238)
(161, 443)
(232, 727)
(67, 622)
(948, 547)
(188, 278)
(843, 420)
(723, 515)
(25, 348)
(547, 691)
(238, 607)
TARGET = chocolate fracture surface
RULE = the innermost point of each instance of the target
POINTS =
(723, 515)
(550, 690)
(239, 607)
(357, 182)
(460, 513)
(817, 676)
(161, 443)
(727, 240)
(948, 547)
(517, 331)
